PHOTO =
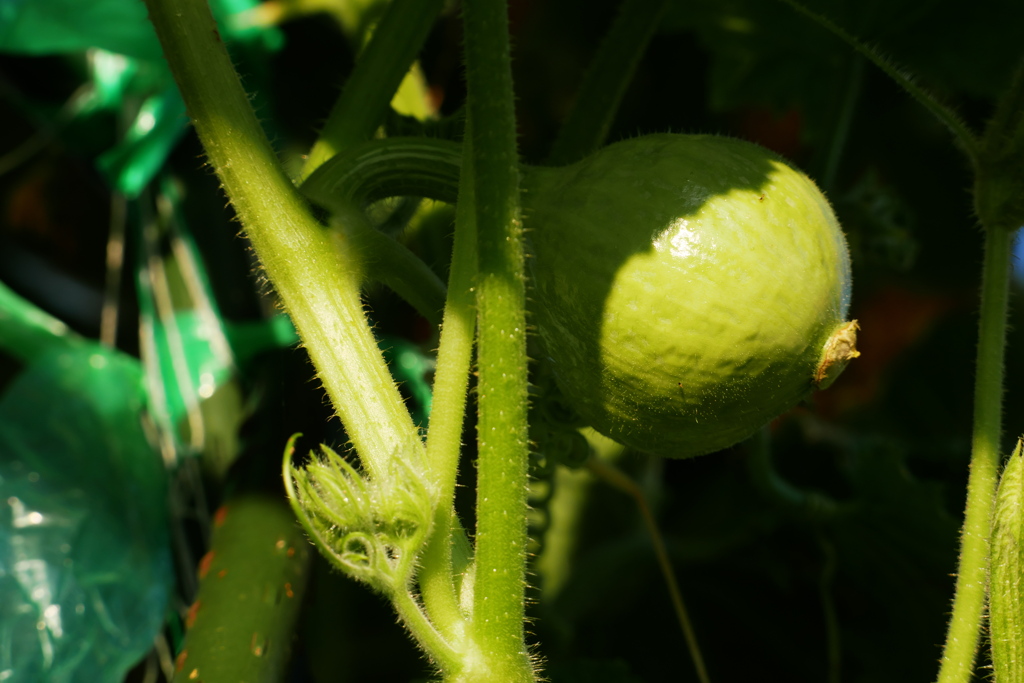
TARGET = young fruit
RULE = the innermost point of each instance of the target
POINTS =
(686, 289)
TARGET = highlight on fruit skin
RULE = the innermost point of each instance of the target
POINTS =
(687, 289)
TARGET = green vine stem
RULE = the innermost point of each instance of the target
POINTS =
(382, 65)
(834, 646)
(391, 167)
(999, 177)
(969, 603)
(318, 283)
(615, 477)
(429, 638)
(392, 264)
(1005, 132)
(609, 74)
(843, 123)
(444, 437)
(997, 160)
(998, 183)
(499, 586)
(961, 132)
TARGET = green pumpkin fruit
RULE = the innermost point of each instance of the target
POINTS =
(686, 289)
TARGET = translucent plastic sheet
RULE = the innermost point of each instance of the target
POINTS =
(85, 568)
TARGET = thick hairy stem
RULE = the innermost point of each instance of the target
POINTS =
(969, 602)
(318, 282)
(499, 588)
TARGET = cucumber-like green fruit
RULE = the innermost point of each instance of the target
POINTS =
(686, 289)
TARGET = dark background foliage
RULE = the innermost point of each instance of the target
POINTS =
(849, 578)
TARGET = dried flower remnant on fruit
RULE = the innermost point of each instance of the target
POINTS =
(840, 349)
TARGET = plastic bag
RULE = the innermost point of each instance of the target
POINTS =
(85, 565)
